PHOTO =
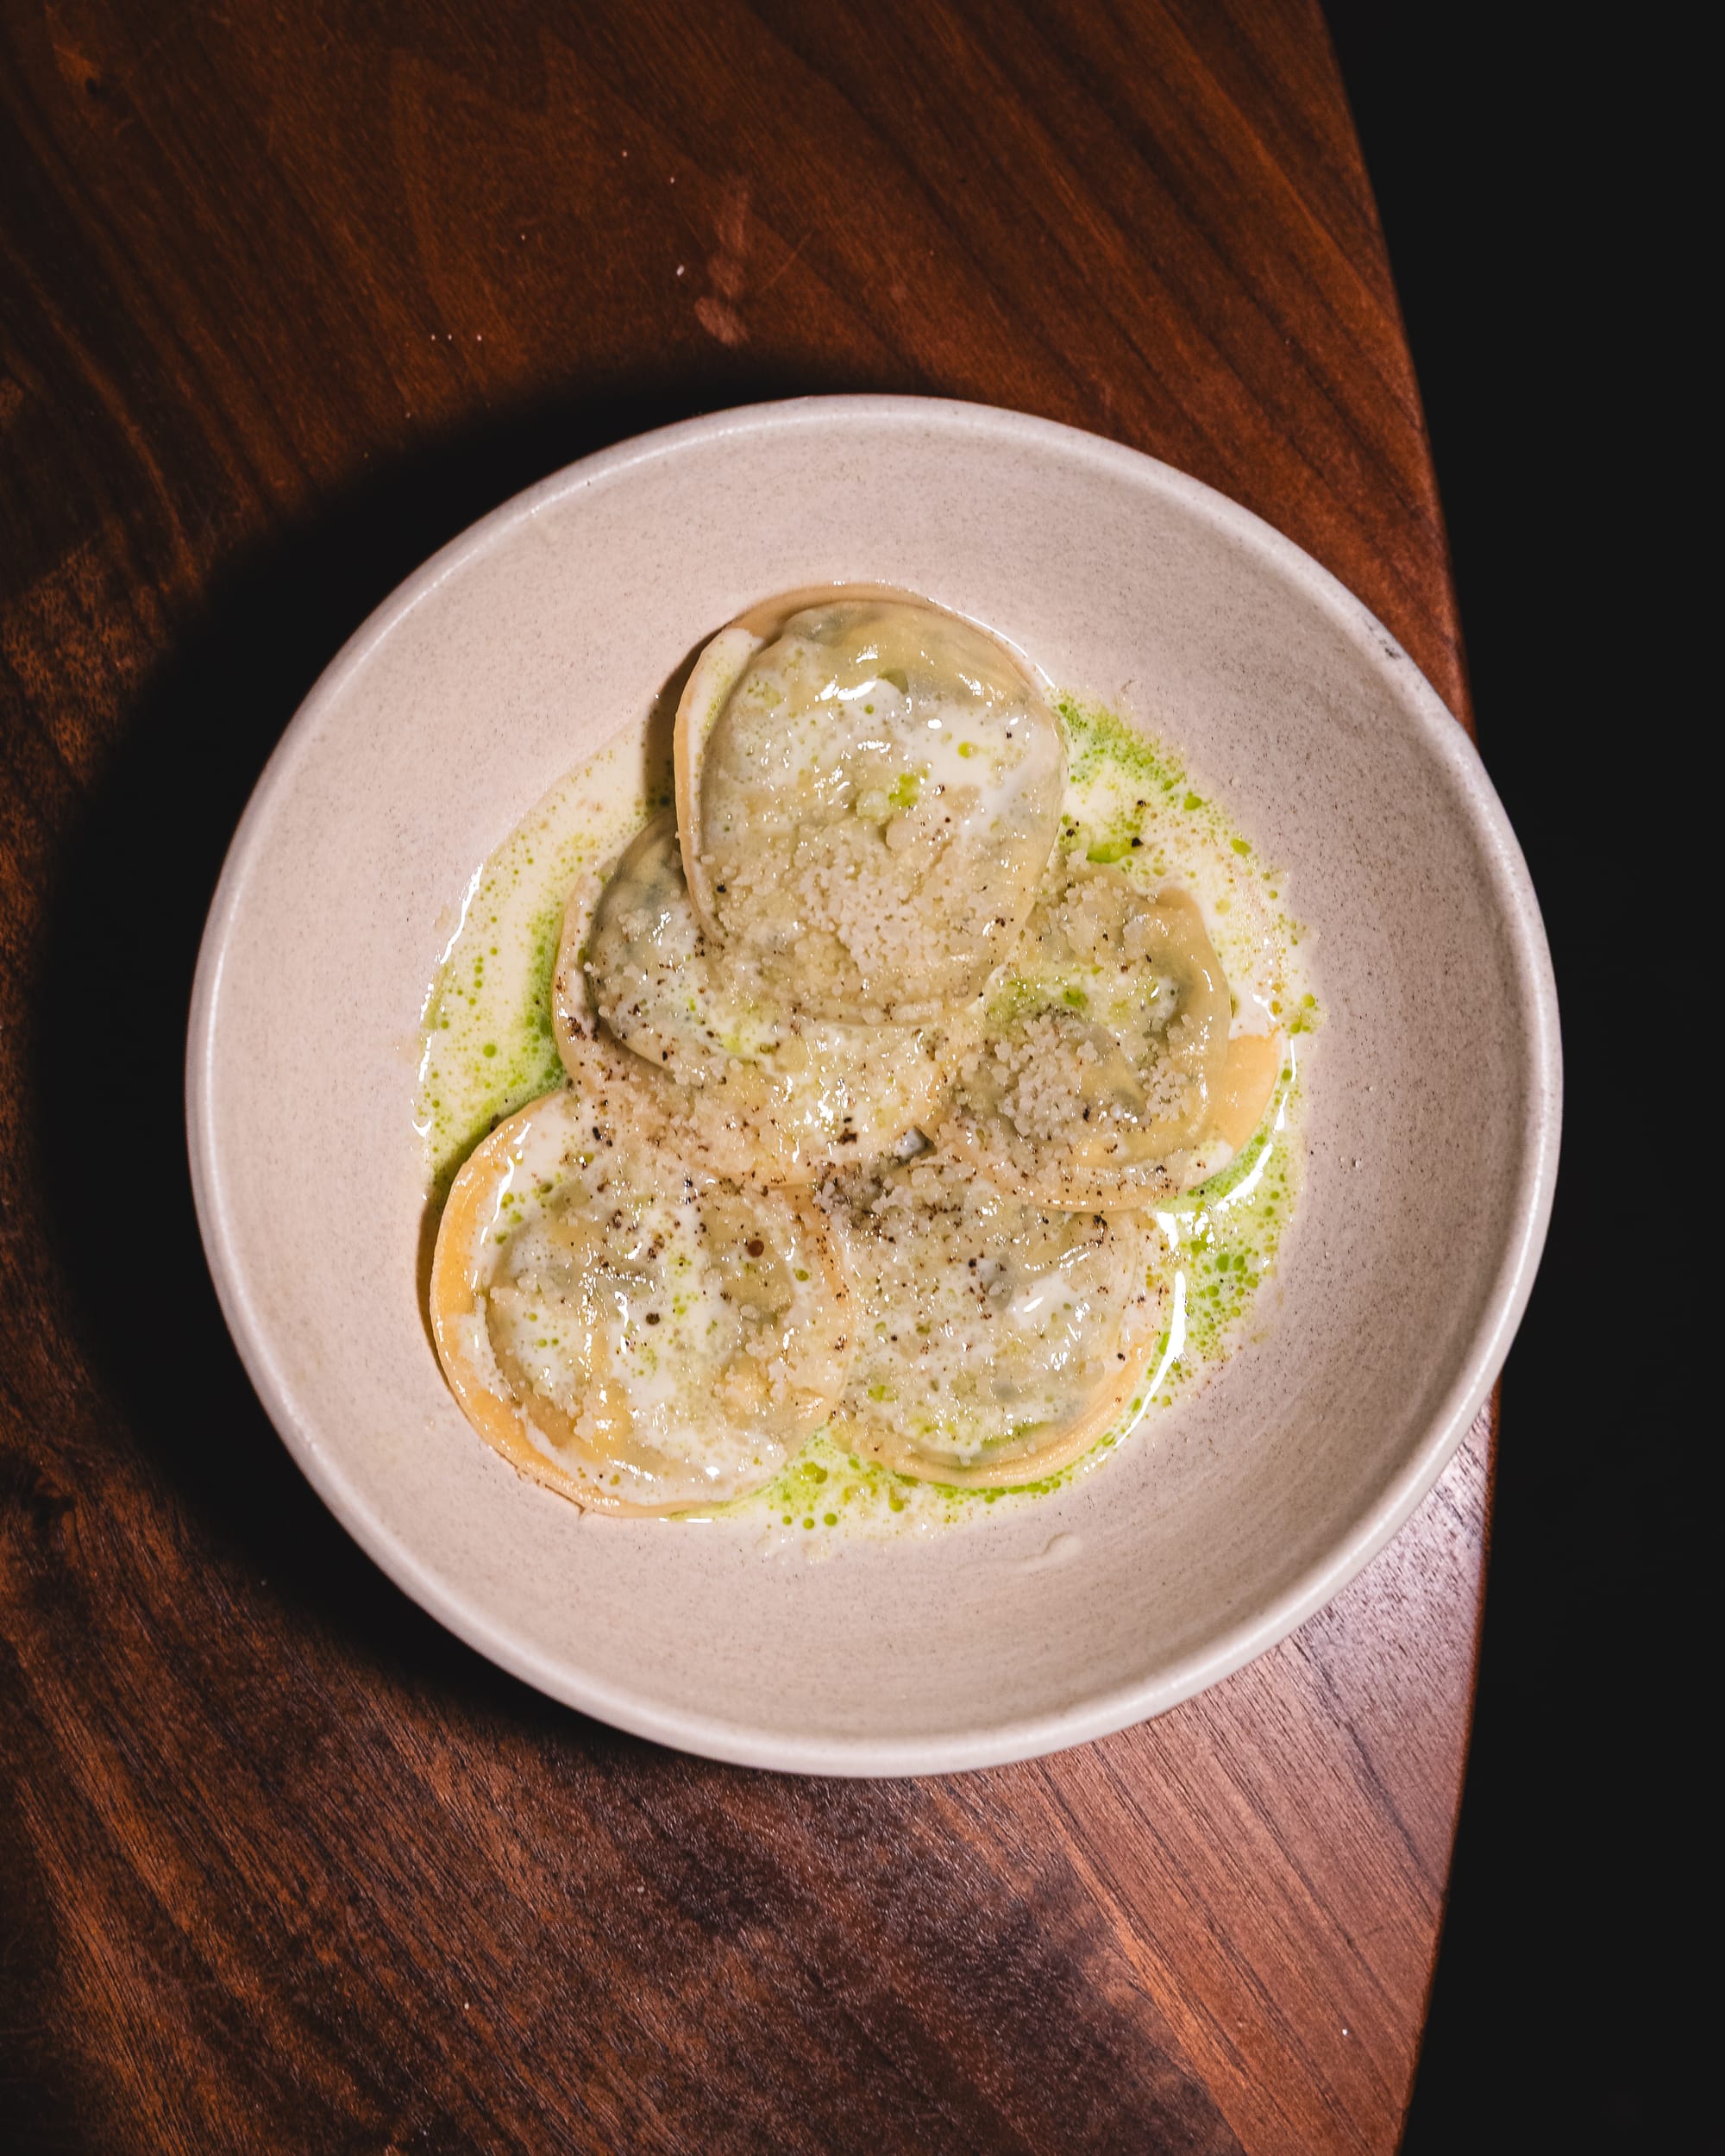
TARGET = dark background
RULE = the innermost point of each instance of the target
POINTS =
(1528, 178)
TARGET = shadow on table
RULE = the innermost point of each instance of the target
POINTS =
(124, 921)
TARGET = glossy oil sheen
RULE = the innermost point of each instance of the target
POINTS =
(1130, 802)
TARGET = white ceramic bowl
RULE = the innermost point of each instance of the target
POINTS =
(1433, 1091)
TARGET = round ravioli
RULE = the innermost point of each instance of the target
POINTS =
(768, 1093)
(1102, 1077)
(642, 1338)
(996, 1341)
(866, 803)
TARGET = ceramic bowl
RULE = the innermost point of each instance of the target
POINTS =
(1434, 1090)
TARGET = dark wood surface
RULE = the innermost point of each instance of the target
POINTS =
(287, 296)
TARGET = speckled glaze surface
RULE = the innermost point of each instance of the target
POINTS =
(1431, 1123)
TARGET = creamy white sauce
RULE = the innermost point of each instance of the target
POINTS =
(488, 1047)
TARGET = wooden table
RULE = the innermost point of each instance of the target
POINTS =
(289, 295)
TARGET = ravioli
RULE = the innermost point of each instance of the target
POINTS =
(996, 1340)
(638, 1336)
(870, 1093)
(866, 804)
(769, 1093)
(1105, 1076)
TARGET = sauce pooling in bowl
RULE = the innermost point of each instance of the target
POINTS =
(1152, 954)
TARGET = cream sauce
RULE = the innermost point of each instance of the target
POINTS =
(488, 1047)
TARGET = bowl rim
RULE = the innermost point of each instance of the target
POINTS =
(714, 1736)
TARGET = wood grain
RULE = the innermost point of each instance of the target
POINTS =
(287, 297)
